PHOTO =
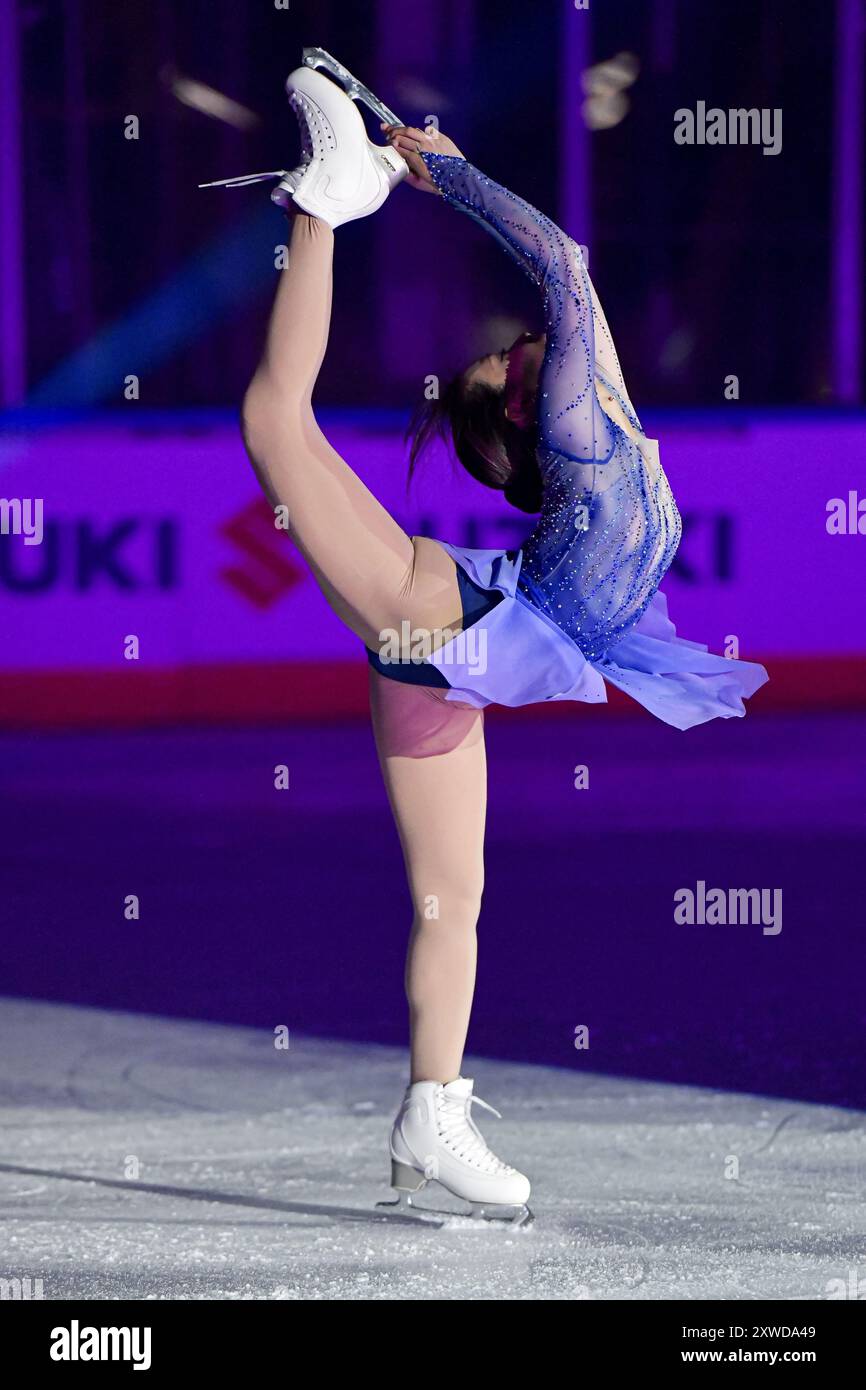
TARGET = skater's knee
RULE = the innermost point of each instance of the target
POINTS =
(451, 906)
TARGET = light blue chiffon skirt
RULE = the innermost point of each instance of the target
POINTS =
(518, 656)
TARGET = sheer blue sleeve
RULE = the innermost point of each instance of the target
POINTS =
(571, 421)
(606, 534)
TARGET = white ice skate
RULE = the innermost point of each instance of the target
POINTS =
(435, 1139)
(342, 174)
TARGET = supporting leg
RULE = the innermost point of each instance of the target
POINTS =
(433, 762)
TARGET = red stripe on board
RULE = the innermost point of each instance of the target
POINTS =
(330, 690)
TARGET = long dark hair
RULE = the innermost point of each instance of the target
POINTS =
(491, 448)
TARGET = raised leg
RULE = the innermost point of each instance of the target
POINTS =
(371, 572)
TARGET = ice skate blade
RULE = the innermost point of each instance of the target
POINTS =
(319, 58)
(478, 1216)
(517, 1218)
(403, 1206)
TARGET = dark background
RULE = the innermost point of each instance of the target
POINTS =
(696, 254)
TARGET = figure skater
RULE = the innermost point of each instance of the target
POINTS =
(548, 422)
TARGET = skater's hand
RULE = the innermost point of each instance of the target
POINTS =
(408, 141)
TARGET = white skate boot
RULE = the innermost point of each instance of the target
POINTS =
(434, 1139)
(342, 174)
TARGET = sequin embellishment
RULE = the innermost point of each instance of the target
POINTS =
(595, 579)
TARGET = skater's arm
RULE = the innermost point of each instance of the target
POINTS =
(571, 421)
(534, 241)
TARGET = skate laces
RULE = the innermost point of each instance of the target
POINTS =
(459, 1133)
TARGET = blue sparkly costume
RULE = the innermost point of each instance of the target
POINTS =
(579, 605)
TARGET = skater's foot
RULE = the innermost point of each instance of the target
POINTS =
(435, 1139)
(342, 175)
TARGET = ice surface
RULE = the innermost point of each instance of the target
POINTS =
(259, 1170)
